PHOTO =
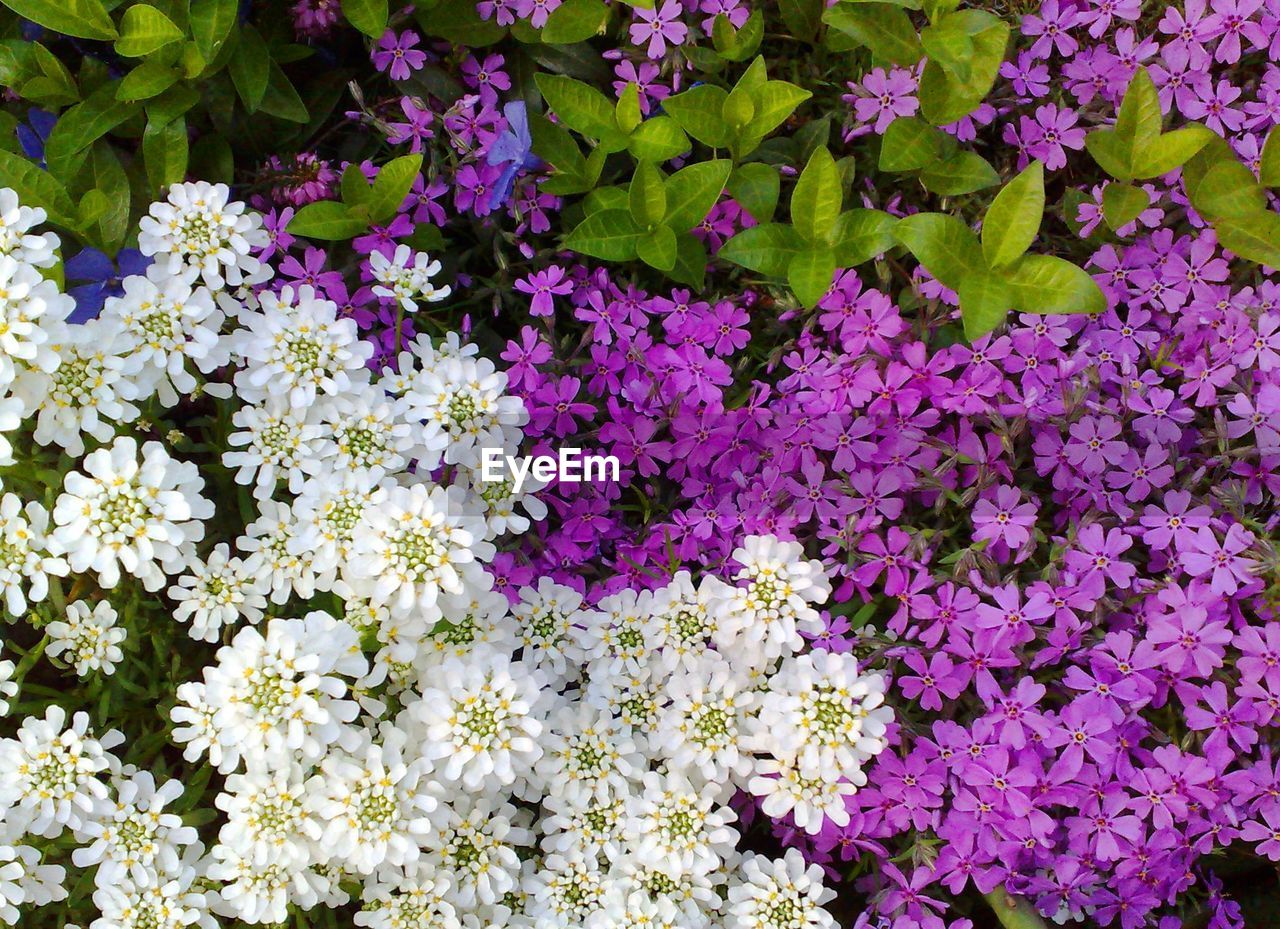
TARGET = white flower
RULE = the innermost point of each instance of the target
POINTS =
(273, 696)
(587, 752)
(466, 624)
(413, 544)
(88, 393)
(296, 346)
(361, 430)
(269, 821)
(89, 638)
(548, 617)
(161, 902)
(51, 773)
(810, 799)
(271, 553)
(565, 891)
(16, 239)
(131, 836)
(31, 311)
(274, 441)
(166, 324)
(195, 727)
(25, 562)
(672, 821)
(8, 686)
(462, 404)
(262, 893)
(821, 709)
(777, 894)
(416, 900)
(216, 592)
(694, 894)
(772, 610)
(639, 912)
(374, 806)
(620, 633)
(406, 277)
(702, 729)
(474, 845)
(198, 228)
(481, 718)
(12, 409)
(24, 880)
(498, 501)
(684, 621)
(325, 518)
(122, 512)
(636, 696)
(586, 825)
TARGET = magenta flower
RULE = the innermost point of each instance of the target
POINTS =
(541, 286)
(1005, 519)
(1205, 555)
(657, 26)
(396, 54)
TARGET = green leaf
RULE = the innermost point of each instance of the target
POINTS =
(81, 126)
(369, 16)
(582, 108)
(575, 21)
(1139, 120)
(802, 17)
(627, 111)
(1013, 219)
(554, 145)
(658, 139)
(328, 220)
(809, 274)
(83, 19)
(946, 247)
(1269, 167)
(143, 29)
(609, 234)
(766, 249)
(861, 235)
(647, 200)
(698, 110)
(658, 248)
(175, 102)
(1227, 189)
(949, 44)
(165, 152)
(93, 206)
(944, 98)
(250, 68)
(741, 44)
(356, 189)
(755, 186)
(739, 107)
(149, 79)
(1171, 150)
(460, 23)
(691, 261)
(109, 177)
(1045, 284)
(1123, 203)
(693, 191)
(961, 172)
(37, 188)
(985, 301)
(909, 144)
(1256, 238)
(1110, 153)
(211, 22)
(881, 27)
(773, 103)
(816, 200)
(392, 185)
(281, 99)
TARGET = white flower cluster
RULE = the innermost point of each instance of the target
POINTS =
(450, 757)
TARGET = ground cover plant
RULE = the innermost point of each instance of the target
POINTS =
(938, 348)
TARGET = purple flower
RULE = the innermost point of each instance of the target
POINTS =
(396, 54)
(657, 26)
(541, 285)
(1205, 555)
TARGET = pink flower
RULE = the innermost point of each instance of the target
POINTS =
(397, 55)
(1004, 519)
(1205, 555)
(658, 26)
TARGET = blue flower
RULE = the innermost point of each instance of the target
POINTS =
(34, 132)
(101, 277)
(514, 150)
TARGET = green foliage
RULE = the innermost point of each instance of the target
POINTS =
(1137, 148)
(911, 145)
(362, 204)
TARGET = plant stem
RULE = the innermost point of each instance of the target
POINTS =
(1013, 912)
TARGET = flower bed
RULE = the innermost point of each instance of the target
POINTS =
(930, 356)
